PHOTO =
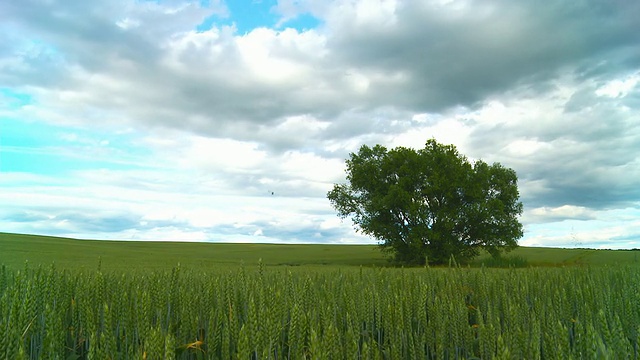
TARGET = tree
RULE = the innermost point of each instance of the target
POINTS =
(431, 204)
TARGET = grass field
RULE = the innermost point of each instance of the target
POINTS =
(80, 299)
(71, 253)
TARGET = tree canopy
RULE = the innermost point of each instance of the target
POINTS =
(431, 203)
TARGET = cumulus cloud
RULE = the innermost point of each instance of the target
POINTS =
(183, 119)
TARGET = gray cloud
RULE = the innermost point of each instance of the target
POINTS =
(428, 58)
(26, 217)
(358, 78)
(460, 57)
(587, 155)
(302, 232)
(67, 221)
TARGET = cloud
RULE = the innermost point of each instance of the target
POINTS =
(414, 56)
(164, 112)
(564, 212)
(459, 53)
(580, 157)
(609, 229)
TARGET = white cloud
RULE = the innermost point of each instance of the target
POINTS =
(311, 167)
(525, 147)
(220, 154)
(447, 131)
(604, 233)
(565, 212)
(280, 56)
(619, 87)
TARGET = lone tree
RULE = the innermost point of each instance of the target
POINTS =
(431, 204)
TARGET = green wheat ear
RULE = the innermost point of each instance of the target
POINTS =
(320, 312)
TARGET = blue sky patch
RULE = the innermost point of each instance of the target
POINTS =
(248, 15)
(44, 149)
(302, 22)
(14, 99)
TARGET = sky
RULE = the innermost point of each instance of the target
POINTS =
(228, 121)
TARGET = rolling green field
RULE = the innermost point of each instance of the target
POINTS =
(71, 253)
(80, 299)
(74, 254)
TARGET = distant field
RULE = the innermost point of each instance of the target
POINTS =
(71, 253)
(15, 249)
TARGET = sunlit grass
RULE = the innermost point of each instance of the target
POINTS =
(77, 254)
